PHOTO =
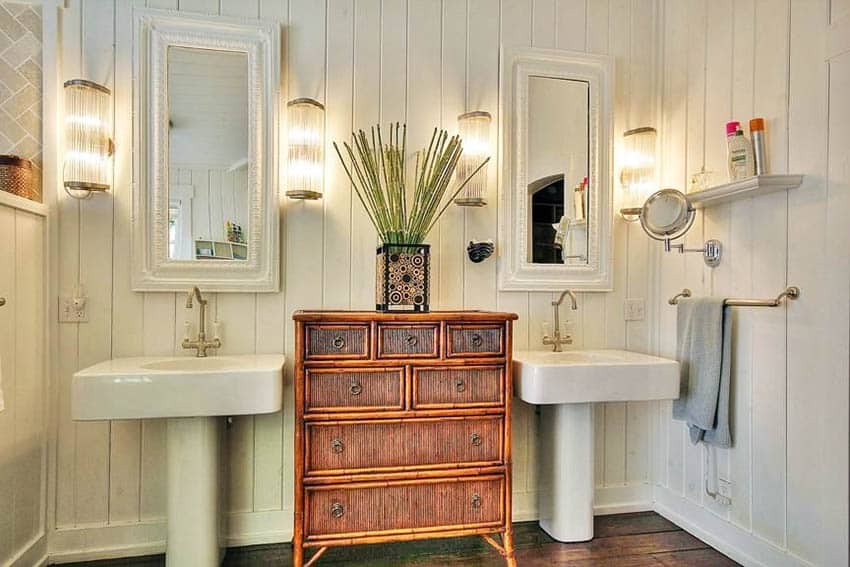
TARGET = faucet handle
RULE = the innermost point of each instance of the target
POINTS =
(217, 325)
(546, 328)
(187, 330)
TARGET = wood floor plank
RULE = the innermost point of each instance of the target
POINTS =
(616, 546)
(629, 524)
(643, 539)
(707, 557)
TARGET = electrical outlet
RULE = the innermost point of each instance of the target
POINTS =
(73, 310)
(635, 309)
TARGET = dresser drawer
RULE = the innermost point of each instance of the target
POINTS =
(367, 389)
(458, 387)
(352, 446)
(475, 340)
(408, 341)
(372, 508)
(337, 341)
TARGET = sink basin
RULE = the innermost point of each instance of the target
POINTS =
(579, 376)
(191, 393)
(155, 387)
(566, 384)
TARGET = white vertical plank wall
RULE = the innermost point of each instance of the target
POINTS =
(23, 424)
(419, 62)
(787, 471)
(683, 66)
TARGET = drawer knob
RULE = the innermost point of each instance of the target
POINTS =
(337, 510)
(337, 446)
(475, 439)
(476, 501)
(355, 388)
(411, 340)
(2, 301)
(460, 385)
(338, 342)
(476, 340)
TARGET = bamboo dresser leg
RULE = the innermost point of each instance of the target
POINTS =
(508, 542)
(297, 554)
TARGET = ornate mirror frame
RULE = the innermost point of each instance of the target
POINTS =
(154, 32)
(516, 272)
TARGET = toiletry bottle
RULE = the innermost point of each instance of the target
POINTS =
(740, 152)
(759, 153)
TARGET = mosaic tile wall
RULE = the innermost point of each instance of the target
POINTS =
(20, 81)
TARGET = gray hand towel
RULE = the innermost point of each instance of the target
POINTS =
(704, 352)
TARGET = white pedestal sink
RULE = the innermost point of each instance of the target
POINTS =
(192, 394)
(566, 384)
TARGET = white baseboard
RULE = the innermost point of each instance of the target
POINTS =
(744, 547)
(34, 553)
(92, 542)
(623, 499)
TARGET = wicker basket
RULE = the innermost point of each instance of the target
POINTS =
(17, 177)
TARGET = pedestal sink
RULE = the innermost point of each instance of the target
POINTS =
(565, 385)
(193, 394)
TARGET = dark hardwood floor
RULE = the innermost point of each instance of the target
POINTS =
(625, 540)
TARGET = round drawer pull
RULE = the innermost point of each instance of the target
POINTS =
(337, 510)
(475, 439)
(411, 340)
(476, 501)
(476, 340)
(338, 342)
(2, 301)
(460, 385)
(337, 446)
(355, 388)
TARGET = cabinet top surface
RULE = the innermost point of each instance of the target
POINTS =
(458, 316)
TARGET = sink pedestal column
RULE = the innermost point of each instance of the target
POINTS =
(565, 471)
(193, 492)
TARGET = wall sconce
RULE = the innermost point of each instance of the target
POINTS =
(474, 130)
(305, 169)
(88, 145)
(637, 176)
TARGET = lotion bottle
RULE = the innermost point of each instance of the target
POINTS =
(740, 152)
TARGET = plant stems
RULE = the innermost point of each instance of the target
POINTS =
(377, 172)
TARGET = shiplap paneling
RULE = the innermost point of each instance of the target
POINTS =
(788, 468)
(23, 426)
(368, 61)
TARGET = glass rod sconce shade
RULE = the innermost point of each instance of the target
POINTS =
(474, 130)
(637, 176)
(88, 146)
(305, 171)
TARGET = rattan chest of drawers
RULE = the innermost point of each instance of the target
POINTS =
(402, 428)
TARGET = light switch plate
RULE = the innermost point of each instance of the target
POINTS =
(635, 309)
(73, 310)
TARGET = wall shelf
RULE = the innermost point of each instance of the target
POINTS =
(744, 189)
(10, 200)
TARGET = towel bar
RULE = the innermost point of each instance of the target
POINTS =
(791, 292)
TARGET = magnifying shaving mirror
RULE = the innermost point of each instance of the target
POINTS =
(667, 215)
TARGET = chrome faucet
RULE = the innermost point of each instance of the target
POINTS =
(556, 340)
(201, 344)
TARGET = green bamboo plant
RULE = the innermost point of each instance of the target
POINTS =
(403, 214)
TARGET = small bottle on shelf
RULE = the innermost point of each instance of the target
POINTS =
(740, 152)
(759, 152)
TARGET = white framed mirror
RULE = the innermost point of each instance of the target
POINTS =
(555, 195)
(205, 203)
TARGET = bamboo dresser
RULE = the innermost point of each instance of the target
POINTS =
(402, 428)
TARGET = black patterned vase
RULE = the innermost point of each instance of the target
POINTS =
(402, 277)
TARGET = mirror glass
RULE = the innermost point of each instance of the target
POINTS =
(208, 190)
(557, 158)
(667, 214)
